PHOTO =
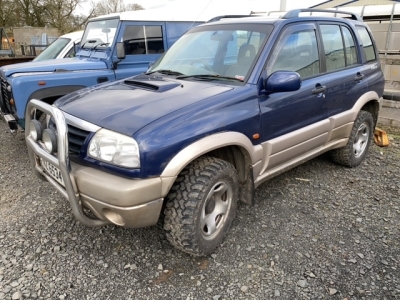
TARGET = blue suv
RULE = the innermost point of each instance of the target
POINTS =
(233, 103)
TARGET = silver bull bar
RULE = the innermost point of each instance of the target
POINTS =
(62, 161)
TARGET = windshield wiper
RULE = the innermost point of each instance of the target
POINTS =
(209, 77)
(166, 72)
(102, 44)
(88, 42)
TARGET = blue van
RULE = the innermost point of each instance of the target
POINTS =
(141, 36)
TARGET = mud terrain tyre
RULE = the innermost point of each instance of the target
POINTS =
(360, 139)
(201, 205)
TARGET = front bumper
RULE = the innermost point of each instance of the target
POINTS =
(112, 199)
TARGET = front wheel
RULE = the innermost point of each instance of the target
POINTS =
(360, 139)
(201, 205)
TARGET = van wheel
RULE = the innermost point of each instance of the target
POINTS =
(201, 205)
(360, 139)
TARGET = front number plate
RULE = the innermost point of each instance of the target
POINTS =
(52, 170)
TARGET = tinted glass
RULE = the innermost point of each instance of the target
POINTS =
(333, 45)
(367, 43)
(351, 53)
(297, 52)
(143, 40)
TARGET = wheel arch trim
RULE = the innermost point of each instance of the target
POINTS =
(55, 91)
(207, 144)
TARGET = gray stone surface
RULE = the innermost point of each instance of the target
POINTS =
(305, 225)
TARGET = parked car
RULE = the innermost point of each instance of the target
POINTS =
(230, 105)
(141, 37)
(63, 47)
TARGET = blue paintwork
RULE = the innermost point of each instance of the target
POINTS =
(71, 64)
(283, 81)
(175, 113)
(85, 69)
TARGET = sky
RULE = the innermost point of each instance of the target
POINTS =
(256, 5)
(271, 4)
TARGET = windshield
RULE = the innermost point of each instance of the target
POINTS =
(99, 34)
(218, 52)
(53, 49)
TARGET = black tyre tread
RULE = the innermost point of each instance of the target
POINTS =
(184, 199)
(344, 156)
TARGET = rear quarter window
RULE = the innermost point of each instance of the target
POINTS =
(367, 43)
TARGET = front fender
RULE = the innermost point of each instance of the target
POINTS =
(207, 144)
(54, 84)
(56, 91)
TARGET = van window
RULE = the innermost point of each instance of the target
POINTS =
(141, 39)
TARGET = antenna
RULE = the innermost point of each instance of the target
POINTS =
(200, 14)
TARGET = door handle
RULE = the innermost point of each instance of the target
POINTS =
(319, 89)
(359, 77)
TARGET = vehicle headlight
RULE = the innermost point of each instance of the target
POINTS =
(115, 148)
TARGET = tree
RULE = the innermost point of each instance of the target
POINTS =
(60, 14)
(105, 7)
(7, 8)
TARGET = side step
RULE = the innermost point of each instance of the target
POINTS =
(12, 123)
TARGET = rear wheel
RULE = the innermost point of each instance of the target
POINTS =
(201, 205)
(360, 139)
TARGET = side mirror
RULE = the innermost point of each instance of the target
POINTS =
(120, 50)
(76, 48)
(282, 81)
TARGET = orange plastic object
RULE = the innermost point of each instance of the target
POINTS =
(381, 138)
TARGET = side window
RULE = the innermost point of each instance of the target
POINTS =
(333, 45)
(71, 53)
(141, 39)
(297, 51)
(367, 43)
(349, 47)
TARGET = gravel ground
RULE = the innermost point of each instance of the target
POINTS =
(319, 231)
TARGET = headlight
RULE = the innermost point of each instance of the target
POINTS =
(114, 148)
(49, 139)
(35, 130)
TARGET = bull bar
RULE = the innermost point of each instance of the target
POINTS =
(61, 161)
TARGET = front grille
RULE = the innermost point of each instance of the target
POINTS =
(5, 95)
(76, 139)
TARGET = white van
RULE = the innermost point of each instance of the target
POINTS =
(62, 47)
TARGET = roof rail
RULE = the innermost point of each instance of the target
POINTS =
(217, 18)
(295, 13)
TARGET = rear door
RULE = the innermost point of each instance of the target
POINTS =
(343, 67)
(373, 74)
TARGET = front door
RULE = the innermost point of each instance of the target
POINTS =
(294, 123)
